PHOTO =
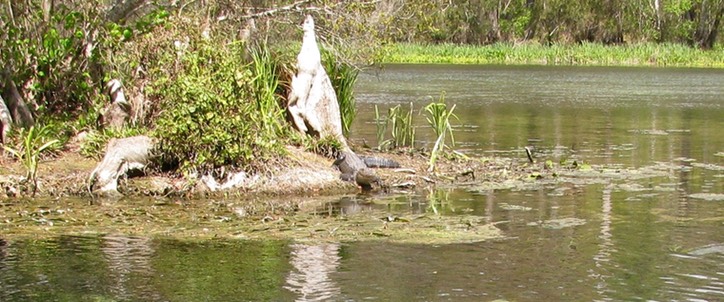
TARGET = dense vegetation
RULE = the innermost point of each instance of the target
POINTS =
(209, 79)
(692, 22)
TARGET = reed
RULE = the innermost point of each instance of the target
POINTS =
(438, 116)
(381, 123)
(403, 131)
(588, 54)
(264, 82)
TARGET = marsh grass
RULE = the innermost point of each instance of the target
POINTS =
(265, 82)
(34, 141)
(403, 130)
(438, 116)
(381, 123)
(646, 54)
(343, 77)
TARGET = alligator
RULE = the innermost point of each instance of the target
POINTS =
(357, 169)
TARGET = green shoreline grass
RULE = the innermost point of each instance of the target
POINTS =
(587, 54)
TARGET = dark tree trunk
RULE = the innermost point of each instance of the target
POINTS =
(19, 111)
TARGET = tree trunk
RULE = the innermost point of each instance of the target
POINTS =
(18, 109)
(708, 28)
(312, 101)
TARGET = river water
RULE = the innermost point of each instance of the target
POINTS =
(650, 238)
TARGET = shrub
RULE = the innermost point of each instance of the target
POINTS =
(209, 114)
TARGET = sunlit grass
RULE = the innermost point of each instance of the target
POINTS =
(535, 54)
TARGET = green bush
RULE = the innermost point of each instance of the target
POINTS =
(210, 115)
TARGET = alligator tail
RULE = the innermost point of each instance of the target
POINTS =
(378, 162)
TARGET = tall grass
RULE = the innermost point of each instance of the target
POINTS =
(403, 131)
(343, 77)
(29, 150)
(265, 81)
(647, 54)
(402, 128)
(438, 116)
(381, 123)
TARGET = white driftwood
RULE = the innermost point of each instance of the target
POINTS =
(122, 155)
(312, 100)
(6, 120)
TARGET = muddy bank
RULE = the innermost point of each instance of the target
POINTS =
(302, 172)
(303, 201)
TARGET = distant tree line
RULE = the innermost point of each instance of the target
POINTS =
(693, 22)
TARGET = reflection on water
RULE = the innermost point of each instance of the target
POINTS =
(625, 250)
(645, 237)
(313, 265)
(128, 260)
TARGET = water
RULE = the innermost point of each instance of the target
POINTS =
(597, 114)
(651, 239)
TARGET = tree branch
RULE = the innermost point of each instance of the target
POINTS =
(291, 7)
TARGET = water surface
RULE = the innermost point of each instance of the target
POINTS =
(650, 238)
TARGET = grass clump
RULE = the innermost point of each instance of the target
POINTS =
(402, 128)
(34, 141)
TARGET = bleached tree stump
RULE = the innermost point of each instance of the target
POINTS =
(6, 121)
(312, 100)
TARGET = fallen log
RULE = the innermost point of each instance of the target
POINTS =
(123, 155)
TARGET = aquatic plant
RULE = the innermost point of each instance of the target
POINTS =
(403, 131)
(438, 116)
(402, 128)
(30, 149)
(381, 128)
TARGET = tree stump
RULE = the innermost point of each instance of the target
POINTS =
(312, 101)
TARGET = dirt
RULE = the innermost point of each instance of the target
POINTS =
(303, 173)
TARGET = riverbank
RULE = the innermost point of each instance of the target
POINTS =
(283, 205)
(302, 173)
(672, 55)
